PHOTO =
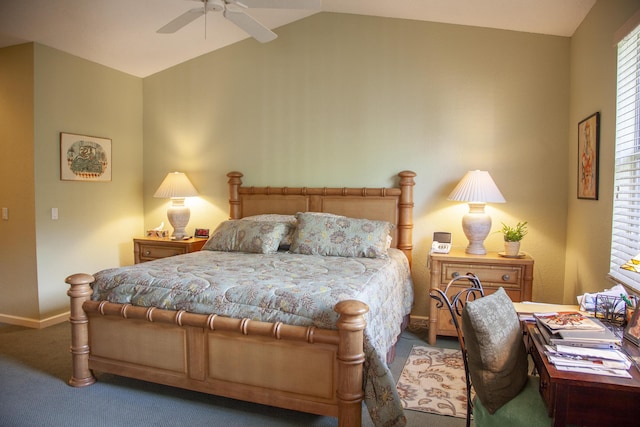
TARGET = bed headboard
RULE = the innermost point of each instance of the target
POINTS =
(389, 204)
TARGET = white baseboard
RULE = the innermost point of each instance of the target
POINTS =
(34, 323)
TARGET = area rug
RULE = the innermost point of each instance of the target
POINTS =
(433, 381)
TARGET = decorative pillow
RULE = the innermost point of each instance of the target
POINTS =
(495, 349)
(289, 221)
(334, 235)
(259, 237)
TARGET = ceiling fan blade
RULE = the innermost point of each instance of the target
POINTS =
(182, 20)
(281, 4)
(250, 26)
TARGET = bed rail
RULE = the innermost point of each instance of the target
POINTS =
(348, 338)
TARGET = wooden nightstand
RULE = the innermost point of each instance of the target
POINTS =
(150, 248)
(515, 275)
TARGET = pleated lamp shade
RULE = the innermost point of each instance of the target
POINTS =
(177, 186)
(476, 188)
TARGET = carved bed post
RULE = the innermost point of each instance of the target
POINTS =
(405, 212)
(80, 292)
(350, 360)
(235, 181)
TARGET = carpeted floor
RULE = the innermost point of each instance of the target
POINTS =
(36, 364)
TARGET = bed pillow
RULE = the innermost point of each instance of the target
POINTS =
(495, 349)
(260, 237)
(334, 235)
(289, 221)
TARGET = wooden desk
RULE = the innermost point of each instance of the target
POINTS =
(583, 399)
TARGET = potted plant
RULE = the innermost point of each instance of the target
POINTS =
(512, 237)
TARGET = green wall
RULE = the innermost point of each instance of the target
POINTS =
(335, 100)
(52, 92)
(96, 219)
(351, 100)
(18, 279)
(593, 88)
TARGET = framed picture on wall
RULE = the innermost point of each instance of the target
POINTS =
(632, 331)
(84, 158)
(588, 157)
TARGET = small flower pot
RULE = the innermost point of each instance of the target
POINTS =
(512, 248)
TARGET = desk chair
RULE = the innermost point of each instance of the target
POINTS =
(495, 359)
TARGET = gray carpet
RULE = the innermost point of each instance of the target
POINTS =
(36, 364)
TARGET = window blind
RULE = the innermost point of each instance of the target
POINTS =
(625, 241)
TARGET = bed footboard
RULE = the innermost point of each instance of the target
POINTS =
(300, 368)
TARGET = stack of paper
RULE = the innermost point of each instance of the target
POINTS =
(589, 360)
(576, 329)
(578, 343)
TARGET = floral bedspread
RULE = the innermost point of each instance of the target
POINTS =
(291, 288)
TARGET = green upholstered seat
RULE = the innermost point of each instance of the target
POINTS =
(527, 409)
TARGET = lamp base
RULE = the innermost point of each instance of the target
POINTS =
(476, 225)
(178, 215)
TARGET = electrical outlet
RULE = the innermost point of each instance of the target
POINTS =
(54, 213)
(5, 214)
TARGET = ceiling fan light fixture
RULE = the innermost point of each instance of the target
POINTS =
(234, 11)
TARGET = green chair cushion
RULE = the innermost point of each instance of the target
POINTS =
(525, 410)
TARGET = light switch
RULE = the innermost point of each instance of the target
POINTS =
(54, 213)
(5, 214)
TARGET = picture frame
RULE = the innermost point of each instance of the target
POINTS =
(202, 233)
(589, 157)
(84, 158)
(632, 331)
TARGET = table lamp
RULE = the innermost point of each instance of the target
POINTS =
(177, 186)
(476, 188)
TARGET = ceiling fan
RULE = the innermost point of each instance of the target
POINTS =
(234, 11)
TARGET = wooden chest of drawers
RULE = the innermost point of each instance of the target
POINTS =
(150, 248)
(515, 275)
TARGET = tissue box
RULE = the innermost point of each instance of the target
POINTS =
(163, 234)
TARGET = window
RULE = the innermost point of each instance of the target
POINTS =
(625, 242)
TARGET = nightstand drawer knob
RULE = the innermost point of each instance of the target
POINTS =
(505, 278)
(147, 252)
(455, 274)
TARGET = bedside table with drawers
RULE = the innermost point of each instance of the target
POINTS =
(150, 248)
(515, 275)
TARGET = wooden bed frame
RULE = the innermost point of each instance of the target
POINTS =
(306, 369)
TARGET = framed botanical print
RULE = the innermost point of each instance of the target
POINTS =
(588, 157)
(84, 158)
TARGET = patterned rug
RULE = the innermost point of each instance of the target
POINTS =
(433, 380)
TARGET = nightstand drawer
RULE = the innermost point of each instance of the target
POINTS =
(515, 275)
(150, 248)
(153, 252)
(488, 274)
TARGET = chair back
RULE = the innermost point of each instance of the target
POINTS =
(455, 303)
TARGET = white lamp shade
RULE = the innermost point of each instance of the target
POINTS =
(477, 186)
(176, 184)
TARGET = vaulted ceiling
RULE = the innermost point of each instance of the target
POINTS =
(122, 34)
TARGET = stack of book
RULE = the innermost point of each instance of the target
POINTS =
(579, 343)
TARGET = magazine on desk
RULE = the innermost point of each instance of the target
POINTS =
(588, 360)
(566, 320)
(598, 337)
